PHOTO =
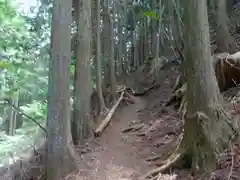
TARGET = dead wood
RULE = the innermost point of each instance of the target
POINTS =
(129, 98)
(133, 128)
(145, 91)
(107, 119)
(154, 158)
(227, 72)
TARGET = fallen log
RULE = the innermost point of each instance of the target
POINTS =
(107, 119)
(227, 71)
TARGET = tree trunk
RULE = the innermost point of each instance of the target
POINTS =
(140, 43)
(106, 42)
(82, 126)
(154, 28)
(224, 39)
(98, 60)
(126, 59)
(135, 55)
(60, 152)
(121, 45)
(94, 36)
(146, 37)
(206, 129)
(112, 56)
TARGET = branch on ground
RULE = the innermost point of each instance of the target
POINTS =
(108, 118)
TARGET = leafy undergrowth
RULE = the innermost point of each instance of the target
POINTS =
(12, 147)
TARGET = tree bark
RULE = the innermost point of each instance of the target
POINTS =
(60, 152)
(98, 60)
(206, 129)
(224, 39)
(82, 126)
(135, 52)
(106, 43)
(112, 56)
(154, 28)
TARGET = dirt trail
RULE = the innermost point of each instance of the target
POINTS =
(122, 156)
(117, 158)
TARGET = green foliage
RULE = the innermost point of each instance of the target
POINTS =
(36, 110)
(152, 14)
(24, 55)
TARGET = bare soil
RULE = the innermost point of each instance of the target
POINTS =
(116, 155)
(127, 156)
(122, 156)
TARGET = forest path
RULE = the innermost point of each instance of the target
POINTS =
(122, 156)
(117, 158)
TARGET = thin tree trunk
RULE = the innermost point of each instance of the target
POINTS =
(98, 60)
(112, 57)
(135, 55)
(120, 49)
(154, 29)
(106, 43)
(82, 125)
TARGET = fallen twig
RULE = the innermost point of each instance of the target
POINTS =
(154, 158)
(20, 111)
(107, 119)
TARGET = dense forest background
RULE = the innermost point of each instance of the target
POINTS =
(71, 69)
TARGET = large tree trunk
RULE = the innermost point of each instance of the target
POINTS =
(82, 125)
(60, 152)
(206, 129)
(223, 37)
(98, 59)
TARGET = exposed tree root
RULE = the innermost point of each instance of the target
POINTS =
(233, 163)
(107, 119)
(176, 144)
(133, 128)
(176, 156)
(154, 158)
(129, 98)
(145, 91)
(168, 164)
(178, 97)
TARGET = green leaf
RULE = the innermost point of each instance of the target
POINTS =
(6, 65)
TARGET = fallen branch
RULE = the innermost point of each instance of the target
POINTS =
(145, 91)
(133, 128)
(154, 158)
(107, 119)
(20, 111)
